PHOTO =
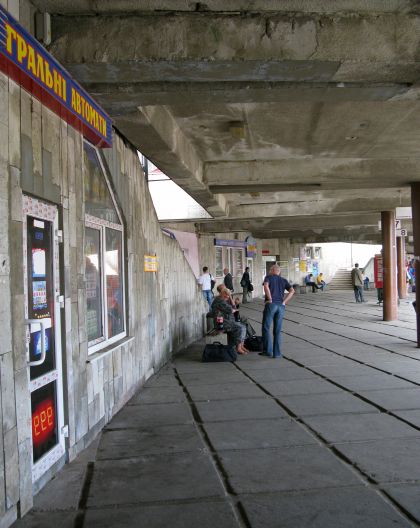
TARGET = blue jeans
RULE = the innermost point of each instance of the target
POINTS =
(358, 293)
(208, 296)
(273, 314)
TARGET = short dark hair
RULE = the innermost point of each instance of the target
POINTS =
(205, 269)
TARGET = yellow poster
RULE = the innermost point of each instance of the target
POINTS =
(150, 263)
(302, 266)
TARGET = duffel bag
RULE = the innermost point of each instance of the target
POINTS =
(254, 343)
(217, 352)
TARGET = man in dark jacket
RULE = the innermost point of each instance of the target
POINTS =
(228, 281)
(245, 282)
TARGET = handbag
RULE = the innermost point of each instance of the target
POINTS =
(215, 352)
(250, 287)
(254, 343)
(243, 283)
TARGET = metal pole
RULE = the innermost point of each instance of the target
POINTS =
(390, 308)
(402, 272)
(415, 206)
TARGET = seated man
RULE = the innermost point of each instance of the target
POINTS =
(309, 281)
(236, 331)
(320, 281)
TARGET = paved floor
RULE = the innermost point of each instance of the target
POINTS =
(327, 437)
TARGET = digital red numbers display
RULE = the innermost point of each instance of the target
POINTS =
(43, 422)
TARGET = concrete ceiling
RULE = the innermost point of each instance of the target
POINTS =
(283, 118)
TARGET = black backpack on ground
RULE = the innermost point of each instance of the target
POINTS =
(254, 343)
(215, 352)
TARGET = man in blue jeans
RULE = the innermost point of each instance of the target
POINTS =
(275, 305)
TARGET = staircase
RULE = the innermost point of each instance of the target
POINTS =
(341, 280)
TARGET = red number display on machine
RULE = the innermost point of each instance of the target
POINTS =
(43, 421)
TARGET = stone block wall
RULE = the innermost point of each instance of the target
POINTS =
(42, 156)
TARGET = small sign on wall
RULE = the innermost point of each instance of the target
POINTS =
(150, 263)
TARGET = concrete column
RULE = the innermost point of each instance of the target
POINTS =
(390, 310)
(402, 272)
(415, 205)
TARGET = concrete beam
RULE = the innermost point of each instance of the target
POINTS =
(92, 7)
(297, 223)
(326, 173)
(165, 144)
(300, 47)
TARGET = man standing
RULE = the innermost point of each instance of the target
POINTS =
(245, 281)
(357, 281)
(205, 281)
(275, 305)
(228, 281)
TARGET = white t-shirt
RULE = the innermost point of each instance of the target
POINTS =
(205, 281)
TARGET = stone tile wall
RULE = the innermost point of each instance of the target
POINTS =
(41, 155)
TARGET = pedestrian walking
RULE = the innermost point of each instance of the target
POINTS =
(205, 280)
(245, 282)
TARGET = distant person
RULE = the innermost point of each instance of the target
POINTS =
(275, 305)
(227, 280)
(205, 282)
(366, 282)
(320, 281)
(309, 281)
(357, 282)
(245, 282)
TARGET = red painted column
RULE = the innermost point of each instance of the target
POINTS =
(390, 307)
(415, 205)
(402, 271)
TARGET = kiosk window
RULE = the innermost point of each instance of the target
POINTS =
(104, 249)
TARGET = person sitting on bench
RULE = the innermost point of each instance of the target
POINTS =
(309, 281)
(236, 331)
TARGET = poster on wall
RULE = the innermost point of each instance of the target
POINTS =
(150, 263)
(302, 266)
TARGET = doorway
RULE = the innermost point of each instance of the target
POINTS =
(43, 335)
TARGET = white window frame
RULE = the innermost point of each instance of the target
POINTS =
(101, 225)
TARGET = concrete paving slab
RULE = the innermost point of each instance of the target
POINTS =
(343, 371)
(225, 391)
(355, 427)
(394, 460)
(279, 374)
(47, 520)
(305, 386)
(153, 395)
(251, 434)
(337, 508)
(288, 468)
(408, 495)
(134, 416)
(203, 515)
(244, 409)
(332, 403)
(209, 378)
(374, 382)
(157, 477)
(412, 416)
(167, 380)
(130, 443)
(199, 366)
(395, 399)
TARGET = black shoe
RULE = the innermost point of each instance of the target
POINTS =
(264, 354)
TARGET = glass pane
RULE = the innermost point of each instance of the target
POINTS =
(93, 283)
(44, 420)
(97, 196)
(219, 262)
(238, 262)
(40, 293)
(114, 284)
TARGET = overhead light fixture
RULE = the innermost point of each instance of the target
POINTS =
(237, 129)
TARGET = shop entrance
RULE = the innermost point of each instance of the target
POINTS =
(42, 318)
